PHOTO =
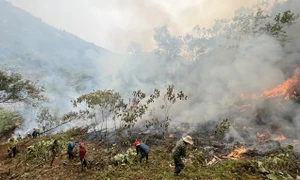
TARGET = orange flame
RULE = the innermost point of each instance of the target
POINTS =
(261, 134)
(17, 124)
(282, 90)
(281, 137)
(296, 140)
(237, 153)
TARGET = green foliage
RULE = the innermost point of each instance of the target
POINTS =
(126, 158)
(8, 120)
(276, 28)
(135, 109)
(41, 150)
(222, 128)
(106, 99)
(198, 158)
(104, 102)
(282, 166)
(15, 89)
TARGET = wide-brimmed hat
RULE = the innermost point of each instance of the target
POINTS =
(188, 139)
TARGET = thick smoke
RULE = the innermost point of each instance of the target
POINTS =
(214, 66)
(131, 20)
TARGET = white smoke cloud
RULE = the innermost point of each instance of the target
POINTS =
(115, 24)
(256, 63)
(212, 79)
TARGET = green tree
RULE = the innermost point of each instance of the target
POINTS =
(275, 28)
(8, 120)
(15, 89)
(129, 113)
(102, 101)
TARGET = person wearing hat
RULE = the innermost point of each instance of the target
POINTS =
(136, 142)
(36, 132)
(180, 151)
(143, 149)
(12, 147)
(82, 155)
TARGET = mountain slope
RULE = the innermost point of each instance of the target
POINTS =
(62, 62)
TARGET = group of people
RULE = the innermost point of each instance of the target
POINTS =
(82, 152)
(13, 142)
(177, 152)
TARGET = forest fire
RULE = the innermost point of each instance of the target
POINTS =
(281, 137)
(17, 123)
(261, 135)
(280, 90)
(266, 136)
(237, 153)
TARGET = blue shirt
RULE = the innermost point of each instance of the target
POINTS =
(144, 147)
(71, 146)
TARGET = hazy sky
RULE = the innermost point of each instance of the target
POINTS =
(113, 24)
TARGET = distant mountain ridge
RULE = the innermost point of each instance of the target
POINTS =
(42, 52)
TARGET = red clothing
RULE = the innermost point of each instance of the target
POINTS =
(82, 152)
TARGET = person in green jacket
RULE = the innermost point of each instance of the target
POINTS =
(180, 151)
(54, 148)
(12, 147)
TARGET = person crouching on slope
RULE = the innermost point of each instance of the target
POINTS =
(71, 146)
(143, 149)
(178, 151)
(12, 147)
(82, 155)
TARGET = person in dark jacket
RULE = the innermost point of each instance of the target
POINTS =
(54, 148)
(143, 149)
(36, 132)
(180, 151)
